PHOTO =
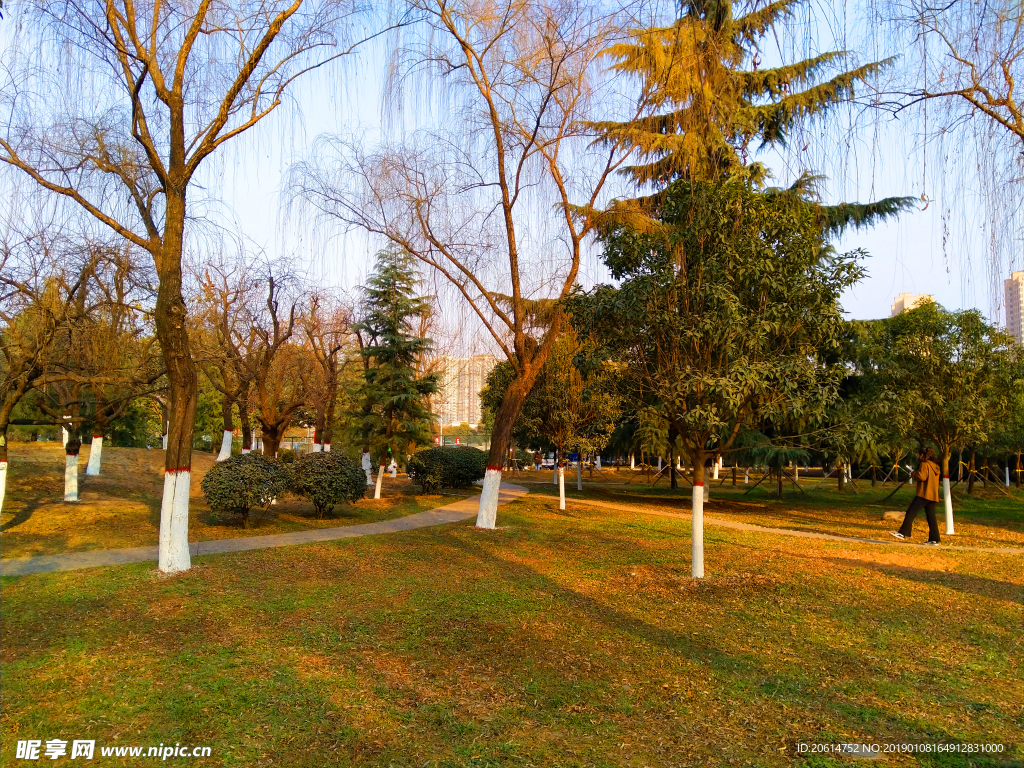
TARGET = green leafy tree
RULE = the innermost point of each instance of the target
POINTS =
(395, 418)
(942, 378)
(724, 322)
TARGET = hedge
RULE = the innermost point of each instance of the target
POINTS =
(437, 468)
(238, 484)
(326, 479)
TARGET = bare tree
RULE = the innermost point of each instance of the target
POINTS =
(42, 287)
(154, 92)
(501, 199)
(327, 333)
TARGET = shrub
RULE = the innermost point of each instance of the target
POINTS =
(286, 455)
(326, 479)
(240, 483)
(437, 468)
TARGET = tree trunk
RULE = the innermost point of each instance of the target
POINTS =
(3, 464)
(970, 474)
(697, 520)
(779, 472)
(672, 482)
(946, 493)
(92, 469)
(841, 472)
(734, 476)
(984, 473)
(874, 477)
(380, 479)
(1019, 468)
(561, 486)
(172, 333)
(71, 467)
(579, 475)
(226, 408)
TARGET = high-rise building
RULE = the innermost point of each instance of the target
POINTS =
(1014, 290)
(458, 397)
(907, 301)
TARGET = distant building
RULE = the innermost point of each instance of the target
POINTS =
(907, 301)
(1014, 288)
(462, 378)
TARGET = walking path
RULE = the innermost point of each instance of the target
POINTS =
(785, 531)
(450, 513)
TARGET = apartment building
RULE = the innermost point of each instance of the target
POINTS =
(462, 378)
(907, 301)
(1014, 303)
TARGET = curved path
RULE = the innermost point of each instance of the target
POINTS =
(717, 521)
(450, 513)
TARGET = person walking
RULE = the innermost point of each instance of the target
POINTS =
(927, 483)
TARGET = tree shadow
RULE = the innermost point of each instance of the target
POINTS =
(23, 514)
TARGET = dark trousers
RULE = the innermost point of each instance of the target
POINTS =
(929, 511)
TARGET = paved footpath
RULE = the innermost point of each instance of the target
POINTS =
(717, 521)
(450, 513)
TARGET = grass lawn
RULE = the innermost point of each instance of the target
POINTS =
(570, 638)
(121, 507)
(988, 518)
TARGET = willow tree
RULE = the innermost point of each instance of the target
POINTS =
(498, 198)
(152, 94)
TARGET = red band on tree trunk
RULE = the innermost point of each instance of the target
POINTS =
(179, 469)
(97, 435)
(699, 484)
(496, 469)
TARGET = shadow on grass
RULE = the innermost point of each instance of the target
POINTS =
(962, 582)
(24, 513)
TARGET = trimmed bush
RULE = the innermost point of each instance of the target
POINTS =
(326, 479)
(286, 455)
(437, 468)
(240, 483)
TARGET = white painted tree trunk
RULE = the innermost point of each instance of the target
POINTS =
(715, 475)
(948, 498)
(367, 467)
(64, 436)
(697, 566)
(380, 478)
(174, 555)
(393, 468)
(796, 472)
(746, 476)
(3, 483)
(561, 487)
(317, 448)
(225, 446)
(1007, 468)
(487, 513)
(597, 463)
(164, 440)
(71, 477)
(632, 461)
(246, 450)
(92, 469)
(327, 447)
(579, 474)
(679, 462)
(659, 463)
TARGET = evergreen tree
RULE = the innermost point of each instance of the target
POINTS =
(709, 102)
(395, 417)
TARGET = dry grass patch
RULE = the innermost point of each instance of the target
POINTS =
(121, 507)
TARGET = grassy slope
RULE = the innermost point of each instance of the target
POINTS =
(121, 507)
(568, 639)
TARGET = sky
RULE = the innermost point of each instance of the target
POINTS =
(864, 156)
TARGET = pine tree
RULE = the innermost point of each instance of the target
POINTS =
(395, 416)
(710, 102)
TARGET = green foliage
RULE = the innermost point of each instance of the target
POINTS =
(942, 378)
(326, 479)
(286, 456)
(726, 321)
(437, 468)
(395, 417)
(240, 483)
